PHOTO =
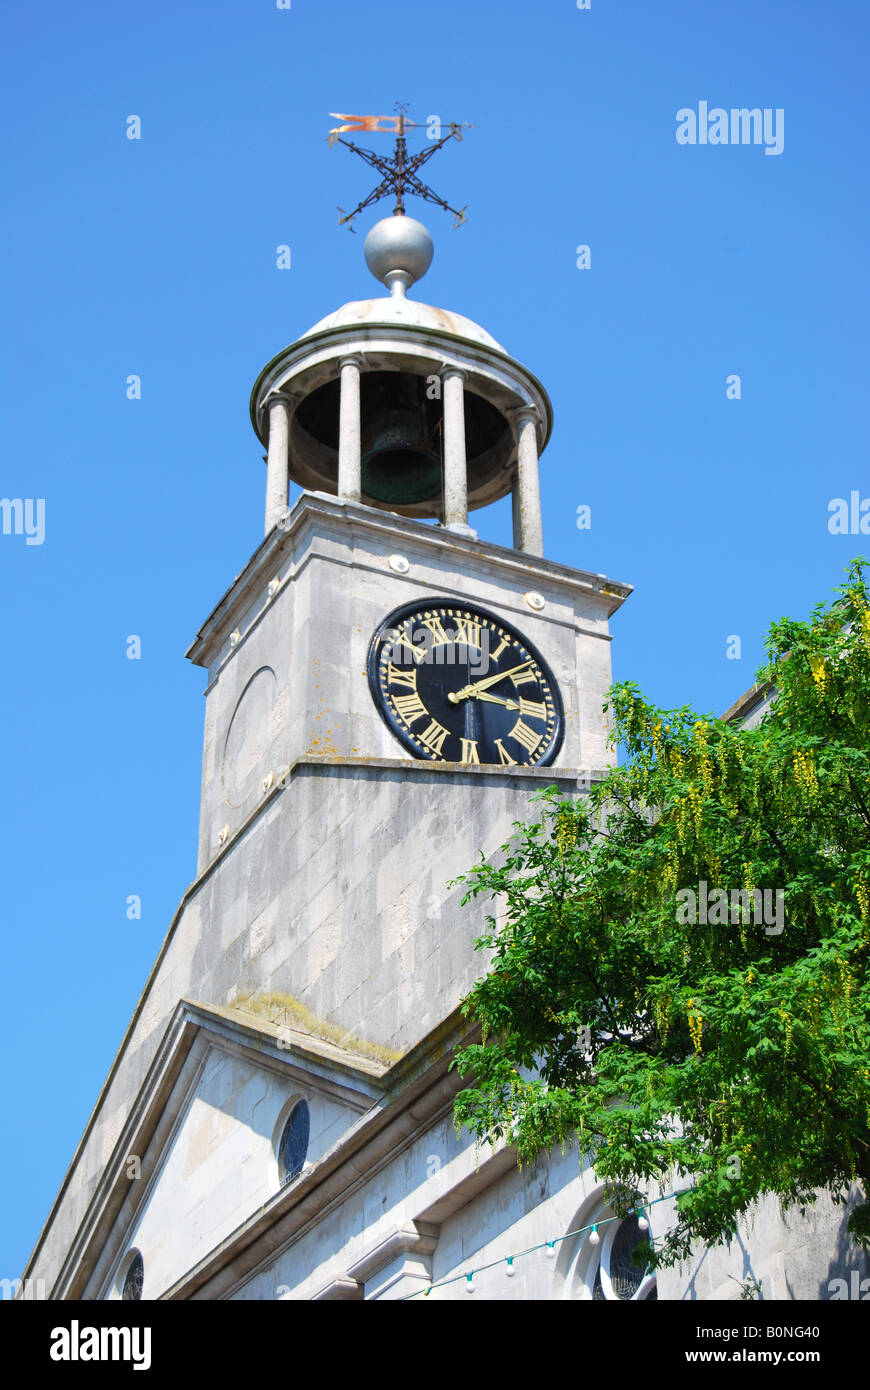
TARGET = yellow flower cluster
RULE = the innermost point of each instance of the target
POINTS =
(663, 1015)
(672, 868)
(722, 760)
(789, 1029)
(705, 765)
(696, 1025)
(566, 831)
(695, 803)
(813, 1008)
(820, 675)
(805, 770)
(847, 980)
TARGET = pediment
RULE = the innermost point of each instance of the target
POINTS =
(199, 1154)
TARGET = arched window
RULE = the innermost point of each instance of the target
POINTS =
(134, 1278)
(293, 1144)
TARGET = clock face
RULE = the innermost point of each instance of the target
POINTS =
(457, 684)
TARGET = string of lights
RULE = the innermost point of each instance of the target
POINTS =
(547, 1245)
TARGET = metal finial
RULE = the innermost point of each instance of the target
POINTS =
(398, 251)
(398, 174)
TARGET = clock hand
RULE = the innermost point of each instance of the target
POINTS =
(454, 696)
(494, 699)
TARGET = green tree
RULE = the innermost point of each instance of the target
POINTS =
(729, 1057)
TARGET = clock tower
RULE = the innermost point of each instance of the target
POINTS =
(386, 688)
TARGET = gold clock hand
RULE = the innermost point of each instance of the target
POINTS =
(454, 696)
(494, 699)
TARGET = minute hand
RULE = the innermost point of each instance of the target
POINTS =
(468, 690)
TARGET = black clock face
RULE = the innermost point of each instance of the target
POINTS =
(457, 684)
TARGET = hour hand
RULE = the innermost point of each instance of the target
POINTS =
(493, 699)
(468, 691)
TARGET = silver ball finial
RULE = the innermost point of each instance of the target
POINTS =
(398, 251)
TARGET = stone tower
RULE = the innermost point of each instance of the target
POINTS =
(385, 690)
(392, 415)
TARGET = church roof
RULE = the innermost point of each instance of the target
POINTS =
(392, 309)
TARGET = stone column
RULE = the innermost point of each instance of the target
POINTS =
(277, 460)
(349, 452)
(455, 464)
(528, 531)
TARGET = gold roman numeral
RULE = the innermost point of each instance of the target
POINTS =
(434, 735)
(400, 639)
(504, 757)
(437, 631)
(535, 709)
(410, 707)
(494, 656)
(396, 676)
(523, 677)
(526, 736)
(469, 751)
(468, 631)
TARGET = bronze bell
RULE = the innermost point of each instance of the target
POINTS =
(403, 465)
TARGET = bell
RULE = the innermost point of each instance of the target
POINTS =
(402, 467)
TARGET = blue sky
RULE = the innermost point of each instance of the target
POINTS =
(158, 257)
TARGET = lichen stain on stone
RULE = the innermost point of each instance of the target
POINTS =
(284, 1009)
(323, 745)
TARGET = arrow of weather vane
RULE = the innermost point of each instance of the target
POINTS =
(399, 173)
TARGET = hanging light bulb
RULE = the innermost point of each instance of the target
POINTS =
(594, 1237)
(511, 1268)
(469, 1283)
(551, 1250)
(642, 1223)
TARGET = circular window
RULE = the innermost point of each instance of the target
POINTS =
(618, 1276)
(134, 1279)
(293, 1145)
(606, 1271)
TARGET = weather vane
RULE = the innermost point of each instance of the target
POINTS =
(399, 174)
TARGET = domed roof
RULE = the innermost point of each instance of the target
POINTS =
(398, 251)
(395, 308)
